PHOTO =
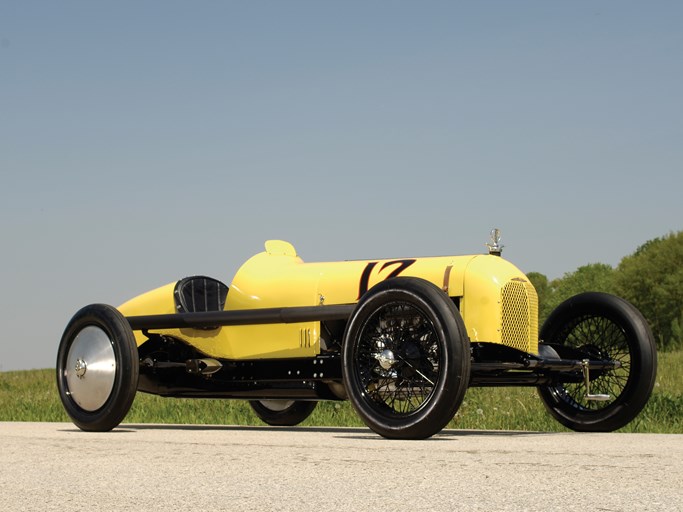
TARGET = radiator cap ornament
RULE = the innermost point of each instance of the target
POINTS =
(495, 247)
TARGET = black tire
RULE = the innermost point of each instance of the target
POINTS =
(406, 358)
(282, 413)
(607, 327)
(97, 368)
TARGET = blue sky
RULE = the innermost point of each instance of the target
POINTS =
(144, 141)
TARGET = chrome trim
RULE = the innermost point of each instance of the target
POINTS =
(90, 369)
(495, 247)
(386, 359)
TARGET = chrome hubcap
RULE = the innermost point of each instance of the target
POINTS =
(80, 368)
(386, 359)
(90, 368)
(277, 405)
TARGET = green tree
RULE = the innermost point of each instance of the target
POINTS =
(594, 277)
(544, 291)
(652, 279)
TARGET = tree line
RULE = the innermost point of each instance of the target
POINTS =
(651, 279)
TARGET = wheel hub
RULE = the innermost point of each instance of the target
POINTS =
(386, 359)
(80, 368)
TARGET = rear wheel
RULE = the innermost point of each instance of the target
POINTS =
(604, 327)
(406, 358)
(282, 413)
(97, 368)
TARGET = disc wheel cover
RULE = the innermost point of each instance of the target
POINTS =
(90, 370)
(97, 368)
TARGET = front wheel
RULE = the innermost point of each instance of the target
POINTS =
(282, 413)
(97, 368)
(405, 358)
(603, 327)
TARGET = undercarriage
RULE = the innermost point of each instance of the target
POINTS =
(169, 367)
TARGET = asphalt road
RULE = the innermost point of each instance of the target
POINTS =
(55, 466)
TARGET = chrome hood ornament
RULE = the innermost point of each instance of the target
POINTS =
(495, 247)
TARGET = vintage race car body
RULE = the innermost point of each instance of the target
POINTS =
(402, 339)
(500, 305)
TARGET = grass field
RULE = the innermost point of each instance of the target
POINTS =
(32, 396)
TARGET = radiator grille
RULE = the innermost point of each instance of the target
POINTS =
(519, 316)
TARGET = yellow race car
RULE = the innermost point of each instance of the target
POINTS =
(402, 339)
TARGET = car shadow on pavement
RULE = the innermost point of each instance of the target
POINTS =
(346, 432)
(241, 428)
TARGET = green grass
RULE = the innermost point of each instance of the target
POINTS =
(32, 396)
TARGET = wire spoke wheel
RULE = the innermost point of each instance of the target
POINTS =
(601, 338)
(405, 358)
(399, 358)
(607, 328)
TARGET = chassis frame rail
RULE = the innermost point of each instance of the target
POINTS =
(212, 319)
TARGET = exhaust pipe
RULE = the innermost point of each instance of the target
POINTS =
(205, 366)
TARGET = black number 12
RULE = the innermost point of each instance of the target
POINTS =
(401, 265)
